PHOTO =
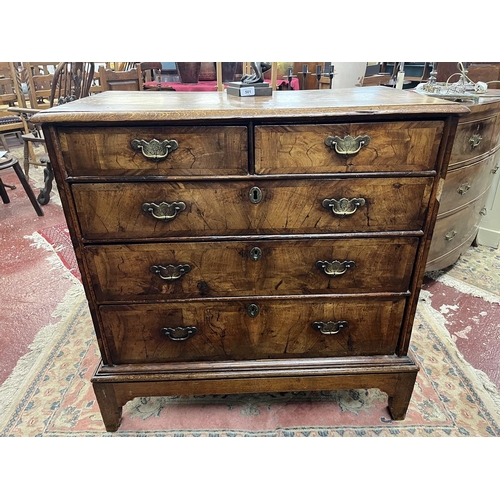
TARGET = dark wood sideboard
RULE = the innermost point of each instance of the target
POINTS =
(255, 244)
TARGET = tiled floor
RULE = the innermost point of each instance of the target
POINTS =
(30, 290)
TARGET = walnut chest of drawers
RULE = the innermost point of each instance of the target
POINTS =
(255, 244)
(473, 162)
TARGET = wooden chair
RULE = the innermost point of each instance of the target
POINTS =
(71, 81)
(120, 80)
(38, 78)
(11, 95)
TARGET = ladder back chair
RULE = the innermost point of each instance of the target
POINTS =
(70, 81)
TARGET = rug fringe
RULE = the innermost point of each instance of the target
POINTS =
(28, 363)
(469, 289)
(55, 262)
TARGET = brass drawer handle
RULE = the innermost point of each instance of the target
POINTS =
(463, 188)
(164, 211)
(179, 333)
(344, 206)
(170, 272)
(450, 235)
(335, 267)
(154, 149)
(348, 145)
(475, 140)
(330, 327)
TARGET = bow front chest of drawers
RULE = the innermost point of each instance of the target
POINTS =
(255, 244)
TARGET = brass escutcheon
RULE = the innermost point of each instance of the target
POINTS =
(348, 145)
(253, 310)
(154, 149)
(255, 195)
(255, 254)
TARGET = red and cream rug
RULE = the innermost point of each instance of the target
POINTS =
(49, 393)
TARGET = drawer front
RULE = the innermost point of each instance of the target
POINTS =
(112, 151)
(151, 272)
(242, 329)
(475, 137)
(467, 183)
(151, 210)
(390, 147)
(452, 231)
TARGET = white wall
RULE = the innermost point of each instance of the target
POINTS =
(348, 74)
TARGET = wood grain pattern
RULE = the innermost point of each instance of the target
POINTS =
(123, 272)
(202, 151)
(399, 146)
(113, 210)
(251, 172)
(282, 329)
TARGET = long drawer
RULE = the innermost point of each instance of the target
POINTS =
(124, 211)
(193, 150)
(467, 183)
(244, 329)
(352, 147)
(451, 232)
(160, 271)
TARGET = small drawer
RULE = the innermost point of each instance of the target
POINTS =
(251, 329)
(351, 147)
(154, 151)
(160, 271)
(476, 137)
(467, 183)
(122, 211)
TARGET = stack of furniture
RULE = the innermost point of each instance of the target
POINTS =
(232, 245)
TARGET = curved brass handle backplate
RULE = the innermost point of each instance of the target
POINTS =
(170, 272)
(179, 333)
(348, 145)
(154, 149)
(475, 140)
(164, 211)
(344, 206)
(463, 188)
(329, 327)
(335, 267)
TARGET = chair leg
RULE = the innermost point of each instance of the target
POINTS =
(26, 159)
(48, 177)
(27, 188)
(3, 193)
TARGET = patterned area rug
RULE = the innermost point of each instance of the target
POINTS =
(49, 394)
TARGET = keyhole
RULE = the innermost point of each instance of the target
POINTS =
(255, 195)
(255, 253)
(253, 310)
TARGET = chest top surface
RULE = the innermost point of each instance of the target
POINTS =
(159, 106)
